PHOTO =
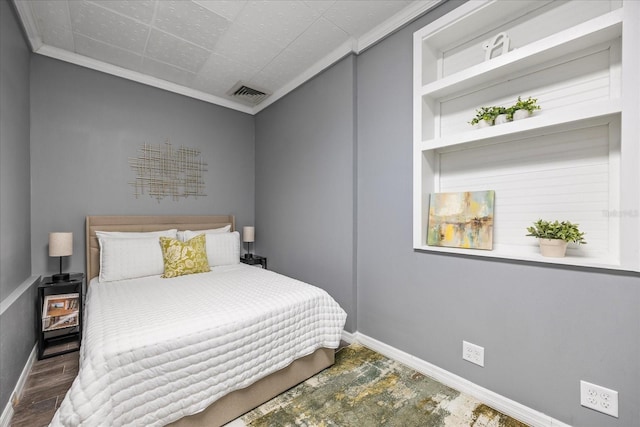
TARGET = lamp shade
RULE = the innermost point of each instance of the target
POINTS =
(60, 244)
(248, 234)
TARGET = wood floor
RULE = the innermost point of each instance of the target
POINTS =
(44, 390)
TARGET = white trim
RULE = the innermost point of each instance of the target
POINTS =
(343, 50)
(415, 10)
(13, 296)
(7, 413)
(26, 16)
(94, 64)
(348, 336)
(496, 401)
(355, 46)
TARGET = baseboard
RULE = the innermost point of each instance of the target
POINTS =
(7, 413)
(494, 400)
(348, 336)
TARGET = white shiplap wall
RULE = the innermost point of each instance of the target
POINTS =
(565, 175)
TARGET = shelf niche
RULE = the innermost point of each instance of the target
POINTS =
(573, 160)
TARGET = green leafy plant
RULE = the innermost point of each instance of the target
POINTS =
(530, 104)
(564, 230)
(487, 113)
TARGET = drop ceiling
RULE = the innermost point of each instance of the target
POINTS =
(204, 48)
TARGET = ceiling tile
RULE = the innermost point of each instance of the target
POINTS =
(218, 87)
(51, 14)
(59, 37)
(319, 6)
(247, 47)
(208, 45)
(358, 17)
(167, 72)
(271, 81)
(172, 50)
(322, 38)
(290, 63)
(219, 74)
(228, 9)
(191, 22)
(107, 53)
(279, 21)
(109, 27)
(142, 10)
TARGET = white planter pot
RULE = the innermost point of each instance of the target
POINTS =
(521, 114)
(501, 118)
(484, 123)
(554, 248)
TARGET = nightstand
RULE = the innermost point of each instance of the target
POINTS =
(59, 316)
(254, 260)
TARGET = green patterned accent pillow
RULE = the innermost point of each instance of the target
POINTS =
(182, 258)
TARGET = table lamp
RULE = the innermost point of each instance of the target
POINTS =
(248, 236)
(60, 244)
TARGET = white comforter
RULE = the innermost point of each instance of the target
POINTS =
(155, 350)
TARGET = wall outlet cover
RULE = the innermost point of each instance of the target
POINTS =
(473, 353)
(599, 398)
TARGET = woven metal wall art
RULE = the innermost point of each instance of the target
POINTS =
(162, 171)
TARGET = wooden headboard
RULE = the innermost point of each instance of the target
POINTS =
(144, 223)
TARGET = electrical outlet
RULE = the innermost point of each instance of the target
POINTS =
(473, 353)
(599, 398)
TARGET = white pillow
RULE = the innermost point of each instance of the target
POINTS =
(122, 258)
(136, 234)
(222, 248)
(182, 234)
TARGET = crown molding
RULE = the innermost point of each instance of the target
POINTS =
(352, 46)
(94, 64)
(397, 21)
(345, 49)
(28, 22)
(356, 46)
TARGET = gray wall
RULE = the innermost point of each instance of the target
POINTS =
(15, 260)
(544, 328)
(305, 195)
(85, 125)
(17, 325)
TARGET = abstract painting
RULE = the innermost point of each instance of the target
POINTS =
(461, 220)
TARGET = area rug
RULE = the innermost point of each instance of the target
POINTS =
(364, 388)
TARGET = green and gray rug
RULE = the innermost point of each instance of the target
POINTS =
(365, 389)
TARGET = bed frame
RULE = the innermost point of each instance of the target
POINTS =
(237, 402)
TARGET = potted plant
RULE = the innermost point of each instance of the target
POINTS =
(553, 237)
(485, 116)
(502, 115)
(523, 108)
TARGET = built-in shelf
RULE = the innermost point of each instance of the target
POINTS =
(576, 159)
(532, 254)
(541, 122)
(590, 33)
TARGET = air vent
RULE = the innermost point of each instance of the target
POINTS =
(248, 95)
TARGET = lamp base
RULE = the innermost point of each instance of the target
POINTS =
(60, 277)
(248, 256)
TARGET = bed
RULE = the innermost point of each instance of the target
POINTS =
(197, 349)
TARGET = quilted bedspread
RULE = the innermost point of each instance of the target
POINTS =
(155, 350)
